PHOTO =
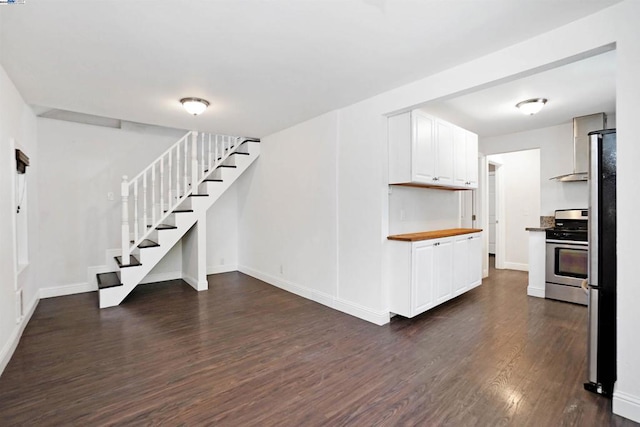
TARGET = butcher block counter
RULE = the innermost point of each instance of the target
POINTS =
(436, 234)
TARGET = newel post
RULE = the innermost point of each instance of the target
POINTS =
(194, 162)
(124, 191)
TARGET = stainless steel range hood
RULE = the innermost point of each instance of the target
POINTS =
(581, 128)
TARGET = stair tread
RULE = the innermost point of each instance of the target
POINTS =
(227, 166)
(180, 211)
(213, 180)
(241, 153)
(146, 243)
(166, 227)
(133, 262)
(198, 195)
(108, 280)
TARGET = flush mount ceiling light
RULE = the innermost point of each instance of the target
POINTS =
(531, 106)
(194, 106)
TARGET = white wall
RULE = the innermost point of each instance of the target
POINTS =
(520, 181)
(17, 125)
(626, 399)
(287, 210)
(556, 158)
(362, 207)
(222, 233)
(77, 221)
(413, 210)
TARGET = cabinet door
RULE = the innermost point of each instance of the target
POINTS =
(423, 277)
(461, 260)
(444, 150)
(475, 260)
(472, 159)
(423, 148)
(459, 157)
(443, 256)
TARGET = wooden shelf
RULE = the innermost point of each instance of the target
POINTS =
(434, 187)
(436, 234)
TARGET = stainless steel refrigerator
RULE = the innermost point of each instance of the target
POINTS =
(602, 262)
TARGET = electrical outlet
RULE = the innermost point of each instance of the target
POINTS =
(281, 269)
(403, 217)
(110, 195)
(221, 261)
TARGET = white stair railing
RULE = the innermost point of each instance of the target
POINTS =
(151, 196)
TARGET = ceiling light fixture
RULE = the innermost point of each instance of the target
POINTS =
(531, 106)
(194, 106)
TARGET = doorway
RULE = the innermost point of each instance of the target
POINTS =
(495, 211)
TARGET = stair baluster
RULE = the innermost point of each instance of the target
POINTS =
(124, 193)
(194, 162)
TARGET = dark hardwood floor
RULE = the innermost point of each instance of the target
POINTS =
(246, 353)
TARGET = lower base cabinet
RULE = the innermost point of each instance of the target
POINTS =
(427, 273)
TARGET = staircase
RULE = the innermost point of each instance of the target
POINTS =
(168, 202)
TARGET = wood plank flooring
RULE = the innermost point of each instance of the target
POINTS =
(245, 353)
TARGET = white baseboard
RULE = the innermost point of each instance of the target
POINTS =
(516, 266)
(92, 286)
(75, 288)
(217, 269)
(12, 343)
(356, 310)
(378, 317)
(535, 292)
(198, 285)
(626, 405)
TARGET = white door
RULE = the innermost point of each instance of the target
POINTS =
(472, 158)
(460, 177)
(475, 260)
(492, 212)
(423, 156)
(461, 260)
(423, 278)
(444, 270)
(444, 150)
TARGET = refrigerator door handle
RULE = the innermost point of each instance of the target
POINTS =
(593, 335)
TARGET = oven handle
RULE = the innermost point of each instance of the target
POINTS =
(568, 242)
(585, 286)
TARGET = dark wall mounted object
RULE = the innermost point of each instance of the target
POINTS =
(22, 161)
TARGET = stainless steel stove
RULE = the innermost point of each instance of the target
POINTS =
(567, 256)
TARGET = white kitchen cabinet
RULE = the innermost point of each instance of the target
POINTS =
(465, 158)
(467, 254)
(475, 260)
(426, 273)
(423, 160)
(461, 255)
(422, 292)
(426, 150)
(443, 269)
(444, 152)
(472, 159)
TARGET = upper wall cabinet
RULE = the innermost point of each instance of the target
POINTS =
(426, 150)
(465, 149)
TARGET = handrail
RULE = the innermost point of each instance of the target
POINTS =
(168, 181)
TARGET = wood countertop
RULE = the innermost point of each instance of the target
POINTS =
(436, 234)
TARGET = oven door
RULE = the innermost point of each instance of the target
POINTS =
(567, 262)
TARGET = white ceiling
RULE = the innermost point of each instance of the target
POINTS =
(577, 89)
(264, 65)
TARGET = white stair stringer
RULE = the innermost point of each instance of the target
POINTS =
(131, 276)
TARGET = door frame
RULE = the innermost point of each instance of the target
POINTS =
(483, 202)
